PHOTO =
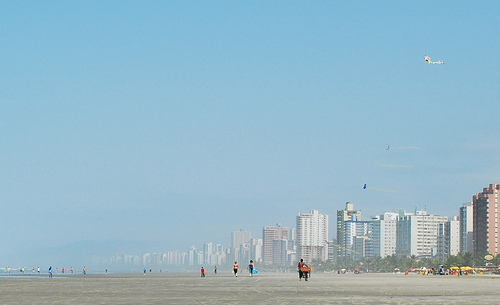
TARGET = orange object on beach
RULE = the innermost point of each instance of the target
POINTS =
(305, 269)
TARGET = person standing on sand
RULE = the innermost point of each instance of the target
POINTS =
(235, 268)
(250, 267)
(215, 269)
(202, 272)
(302, 265)
(50, 271)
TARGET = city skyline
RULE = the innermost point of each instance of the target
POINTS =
(243, 236)
(170, 123)
(181, 259)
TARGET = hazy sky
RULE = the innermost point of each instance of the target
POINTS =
(179, 122)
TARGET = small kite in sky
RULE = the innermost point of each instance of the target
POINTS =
(393, 165)
(388, 147)
(377, 189)
(428, 60)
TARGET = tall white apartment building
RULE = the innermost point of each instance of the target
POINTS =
(448, 239)
(466, 218)
(312, 236)
(417, 234)
(454, 242)
(240, 245)
(385, 229)
(240, 237)
(207, 253)
(191, 256)
(256, 249)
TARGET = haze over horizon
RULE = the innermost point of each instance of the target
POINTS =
(178, 122)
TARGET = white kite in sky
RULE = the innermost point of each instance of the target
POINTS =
(389, 147)
(428, 60)
(393, 165)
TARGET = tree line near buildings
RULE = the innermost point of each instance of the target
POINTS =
(402, 263)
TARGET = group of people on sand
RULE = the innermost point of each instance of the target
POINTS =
(251, 268)
(303, 268)
(236, 267)
(63, 270)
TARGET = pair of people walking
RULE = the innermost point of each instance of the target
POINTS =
(236, 267)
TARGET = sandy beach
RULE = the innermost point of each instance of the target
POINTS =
(264, 288)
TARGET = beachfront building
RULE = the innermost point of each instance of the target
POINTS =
(332, 250)
(312, 236)
(213, 254)
(348, 214)
(384, 234)
(207, 254)
(448, 239)
(466, 218)
(256, 245)
(486, 221)
(359, 241)
(275, 245)
(240, 245)
(417, 234)
(240, 237)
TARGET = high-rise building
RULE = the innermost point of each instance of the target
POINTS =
(358, 241)
(240, 245)
(417, 234)
(240, 237)
(385, 234)
(269, 236)
(207, 253)
(466, 218)
(192, 256)
(448, 238)
(219, 255)
(312, 236)
(256, 249)
(486, 221)
(348, 214)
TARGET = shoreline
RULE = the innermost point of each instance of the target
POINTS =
(263, 288)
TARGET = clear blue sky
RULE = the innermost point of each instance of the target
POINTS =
(178, 122)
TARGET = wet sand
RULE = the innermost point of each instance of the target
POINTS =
(264, 288)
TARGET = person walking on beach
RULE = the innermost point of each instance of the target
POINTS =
(50, 272)
(302, 267)
(202, 272)
(215, 269)
(235, 268)
(250, 267)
